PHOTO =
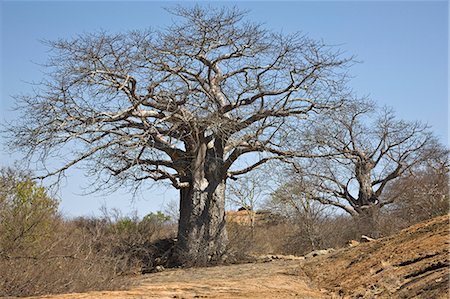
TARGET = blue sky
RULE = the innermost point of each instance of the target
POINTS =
(403, 47)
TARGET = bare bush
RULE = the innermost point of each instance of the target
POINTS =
(247, 241)
(61, 264)
(41, 253)
(131, 243)
(85, 254)
(418, 197)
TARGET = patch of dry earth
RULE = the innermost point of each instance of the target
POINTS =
(412, 264)
(276, 279)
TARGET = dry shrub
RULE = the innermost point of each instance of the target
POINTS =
(42, 253)
(62, 263)
(285, 237)
(299, 237)
(267, 238)
(136, 245)
(419, 197)
(82, 255)
(294, 236)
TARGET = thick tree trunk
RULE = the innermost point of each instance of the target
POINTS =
(202, 236)
(367, 205)
(368, 221)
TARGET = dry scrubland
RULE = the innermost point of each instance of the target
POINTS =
(113, 254)
(411, 264)
(42, 253)
(186, 104)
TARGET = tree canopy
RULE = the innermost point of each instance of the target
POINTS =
(360, 149)
(135, 106)
(180, 104)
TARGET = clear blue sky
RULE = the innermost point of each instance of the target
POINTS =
(403, 47)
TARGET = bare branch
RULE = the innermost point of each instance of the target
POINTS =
(157, 104)
(361, 154)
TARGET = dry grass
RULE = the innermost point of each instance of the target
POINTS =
(42, 253)
(82, 255)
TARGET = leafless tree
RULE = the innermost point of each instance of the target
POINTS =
(421, 195)
(291, 201)
(247, 193)
(361, 150)
(181, 104)
(172, 209)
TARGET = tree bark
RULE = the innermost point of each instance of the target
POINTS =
(368, 221)
(363, 170)
(367, 204)
(202, 236)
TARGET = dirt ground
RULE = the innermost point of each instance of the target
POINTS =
(274, 279)
(411, 264)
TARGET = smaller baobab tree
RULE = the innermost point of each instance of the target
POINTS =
(360, 150)
(180, 105)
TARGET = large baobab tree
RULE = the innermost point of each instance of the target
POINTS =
(360, 150)
(182, 104)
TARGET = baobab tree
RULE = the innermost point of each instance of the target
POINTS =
(360, 149)
(183, 105)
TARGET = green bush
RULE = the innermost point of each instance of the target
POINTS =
(27, 214)
(157, 218)
(43, 253)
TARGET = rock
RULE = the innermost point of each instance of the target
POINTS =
(159, 269)
(352, 243)
(293, 257)
(366, 239)
(272, 257)
(319, 252)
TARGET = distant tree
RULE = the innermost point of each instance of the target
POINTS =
(181, 104)
(421, 195)
(291, 201)
(247, 192)
(158, 218)
(360, 150)
(172, 209)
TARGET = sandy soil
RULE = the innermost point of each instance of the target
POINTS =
(275, 279)
(411, 264)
